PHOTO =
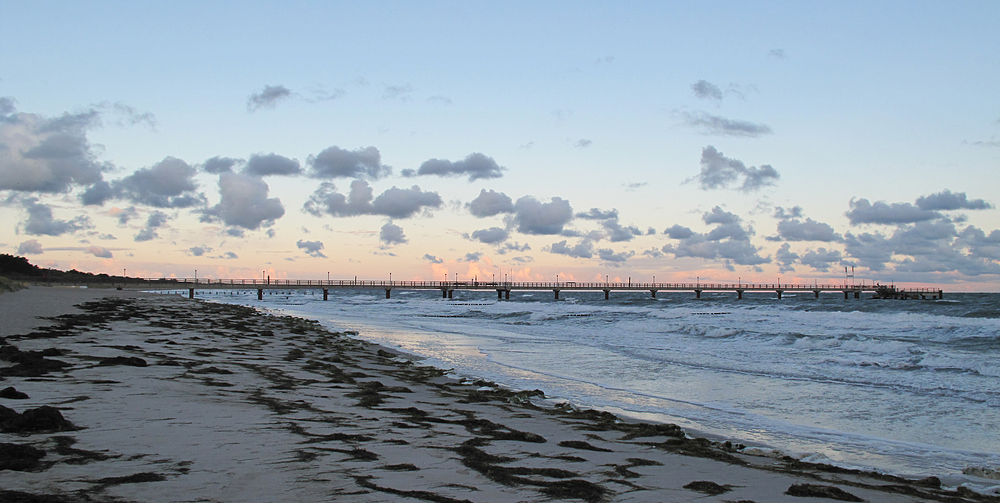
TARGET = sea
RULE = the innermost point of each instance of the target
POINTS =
(909, 387)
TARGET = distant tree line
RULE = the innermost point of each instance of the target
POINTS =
(13, 266)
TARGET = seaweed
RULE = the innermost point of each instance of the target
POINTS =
(365, 481)
(708, 487)
(820, 491)
(20, 458)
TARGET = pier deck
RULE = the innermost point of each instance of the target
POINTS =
(503, 289)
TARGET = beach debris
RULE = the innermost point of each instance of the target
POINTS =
(821, 491)
(708, 487)
(20, 458)
(135, 478)
(29, 363)
(130, 361)
(13, 394)
(43, 418)
(403, 467)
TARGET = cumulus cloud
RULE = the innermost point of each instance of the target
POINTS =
(719, 171)
(335, 162)
(948, 200)
(705, 90)
(475, 165)
(535, 217)
(807, 230)
(268, 97)
(716, 125)
(783, 214)
(927, 248)
(512, 247)
(155, 220)
(864, 212)
(43, 154)
(491, 236)
(871, 250)
(634, 186)
(471, 257)
(583, 143)
(729, 242)
(786, 258)
(617, 233)
(393, 203)
(243, 203)
(583, 249)
(678, 231)
(776, 54)
(124, 215)
(30, 247)
(167, 184)
(41, 222)
(218, 164)
(272, 164)
(197, 251)
(432, 259)
(312, 248)
(490, 203)
(821, 259)
(392, 234)
(598, 214)
(610, 257)
(99, 252)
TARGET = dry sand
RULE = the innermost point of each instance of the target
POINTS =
(175, 400)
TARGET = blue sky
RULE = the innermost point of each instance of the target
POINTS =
(717, 140)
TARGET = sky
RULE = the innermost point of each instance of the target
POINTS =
(584, 141)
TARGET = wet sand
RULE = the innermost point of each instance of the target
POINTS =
(166, 399)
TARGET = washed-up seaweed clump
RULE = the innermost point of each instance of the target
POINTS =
(20, 458)
(41, 419)
(821, 491)
(708, 487)
(30, 363)
(11, 393)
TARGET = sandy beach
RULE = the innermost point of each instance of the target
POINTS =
(121, 396)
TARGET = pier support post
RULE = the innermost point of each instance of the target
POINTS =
(444, 293)
(387, 290)
(697, 294)
(857, 294)
(451, 294)
(817, 293)
(940, 294)
(739, 294)
(506, 295)
(557, 294)
(190, 293)
(607, 294)
(260, 294)
(779, 293)
(845, 295)
(653, 292)
(499, 294)
(326, 294)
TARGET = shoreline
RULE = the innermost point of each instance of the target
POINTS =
(231, 404)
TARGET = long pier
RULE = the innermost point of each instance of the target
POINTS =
(503, 289)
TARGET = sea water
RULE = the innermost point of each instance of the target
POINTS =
(907, 387)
